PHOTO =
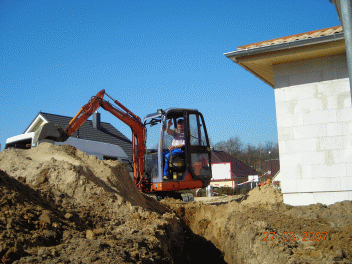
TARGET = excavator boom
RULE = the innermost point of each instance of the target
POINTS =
(55, 133)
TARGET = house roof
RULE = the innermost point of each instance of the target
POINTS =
(106, 134)
(259, 58)
(291, 38)
(238, 168)
(275, 164)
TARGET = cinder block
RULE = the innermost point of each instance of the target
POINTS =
(336, 142)
(287, 160)
(342, 155)
(285, 133)
(308, 105)
(282, 147)
(288, 185)
(284, 121)
(329, 198)
(331, 102)
(320, 117)
(300, 92)
(344, 115)
(336, 170)
(326, 171)
(333, 87)
(284, 108)
(348, 168)
(320, 185)
(289, 173)
(319, 171)
(302, 145)
(307, 171)
(335, 129)
(346, 183)
(298, 199)
(279, 95)
(347, 128)
(297, 119)
(335, 184)
(310, 131)
(310, 158)
(343, 100)
(304, 185)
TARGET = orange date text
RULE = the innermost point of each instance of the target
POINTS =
(290, 236)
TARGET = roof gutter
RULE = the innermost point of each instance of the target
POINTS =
(283, 46)
(344, 12)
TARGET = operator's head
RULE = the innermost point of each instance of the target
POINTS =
(180, 124)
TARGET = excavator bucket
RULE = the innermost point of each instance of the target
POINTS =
(50, 131)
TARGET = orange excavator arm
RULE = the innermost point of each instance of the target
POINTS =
(126, 116)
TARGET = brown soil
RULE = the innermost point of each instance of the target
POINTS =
(59, 205)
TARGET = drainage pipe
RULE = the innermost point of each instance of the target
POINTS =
(346, 17)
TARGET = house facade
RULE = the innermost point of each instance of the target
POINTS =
(309, 75)
(228, 171)
(93, 137)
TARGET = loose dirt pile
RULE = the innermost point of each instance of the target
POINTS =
(59, 205)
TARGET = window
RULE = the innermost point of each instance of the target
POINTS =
(196, 128)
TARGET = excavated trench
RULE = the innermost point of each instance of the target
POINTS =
(59, 205)
(259, 228)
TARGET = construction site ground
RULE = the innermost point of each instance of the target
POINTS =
(59, 205)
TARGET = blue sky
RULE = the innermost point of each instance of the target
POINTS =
(148, 55)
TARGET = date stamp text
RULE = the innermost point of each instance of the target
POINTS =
(307, 236)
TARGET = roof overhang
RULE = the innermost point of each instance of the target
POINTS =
(259, 61)
(36, 123)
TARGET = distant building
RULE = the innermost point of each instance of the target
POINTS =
(273, 165)
(228, 170)
(93, 137)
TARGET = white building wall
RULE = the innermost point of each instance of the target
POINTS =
(314, 119)
(221, 171)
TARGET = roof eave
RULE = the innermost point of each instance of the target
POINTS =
(305, 43)
(283, 46)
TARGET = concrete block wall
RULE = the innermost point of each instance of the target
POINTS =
(314, 120)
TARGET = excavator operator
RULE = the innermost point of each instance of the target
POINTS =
(177, 143)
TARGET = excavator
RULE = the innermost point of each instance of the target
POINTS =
(190, 170)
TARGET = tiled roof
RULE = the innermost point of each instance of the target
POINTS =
(275, 164)
(239, 169)
(106, 134)
(302, 36)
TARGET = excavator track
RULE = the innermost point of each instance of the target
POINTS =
(185, 197)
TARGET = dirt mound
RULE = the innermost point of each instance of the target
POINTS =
(73, 172)
(263, 194)
(59, 205)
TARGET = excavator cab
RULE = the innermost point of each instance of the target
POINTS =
(189, 170)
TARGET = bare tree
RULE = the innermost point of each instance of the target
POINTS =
(253, 156)
(232, 146)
